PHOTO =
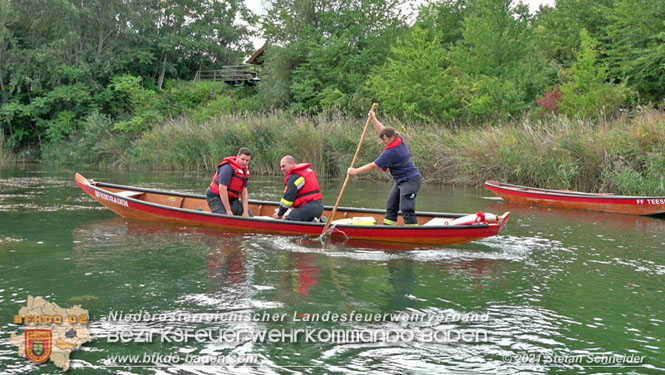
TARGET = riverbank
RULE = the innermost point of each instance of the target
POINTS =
(624, 155)
(6, 156)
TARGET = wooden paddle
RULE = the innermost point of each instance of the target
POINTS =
(346, 181)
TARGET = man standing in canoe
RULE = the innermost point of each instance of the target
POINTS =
(397, 158)
(302, 193)
(228, 193)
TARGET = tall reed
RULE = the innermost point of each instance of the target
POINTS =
(328, 144)
(625, 155)
(6, 155)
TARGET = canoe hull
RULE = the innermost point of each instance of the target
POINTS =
(634, 205)
(130, 207)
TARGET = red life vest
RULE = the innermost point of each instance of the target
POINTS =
(311, 190)
(238, 180)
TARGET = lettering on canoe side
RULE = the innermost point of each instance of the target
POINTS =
(650, 201)
(111, 198)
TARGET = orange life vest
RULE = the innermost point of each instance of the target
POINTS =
(311, 190)
(238, 180)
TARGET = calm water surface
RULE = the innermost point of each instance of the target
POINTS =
(557, 292)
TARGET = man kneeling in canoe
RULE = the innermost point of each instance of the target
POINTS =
(301, 193)
(228, 193)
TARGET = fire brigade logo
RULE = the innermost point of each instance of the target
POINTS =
(51, 332)
(38, 345)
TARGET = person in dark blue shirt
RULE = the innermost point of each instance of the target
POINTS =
(397, 158)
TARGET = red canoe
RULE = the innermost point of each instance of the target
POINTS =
(147, 204)
(577, 200)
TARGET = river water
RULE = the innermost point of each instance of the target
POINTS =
(557, 292)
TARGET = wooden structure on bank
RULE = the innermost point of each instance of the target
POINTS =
(244, 74)
(248, 73)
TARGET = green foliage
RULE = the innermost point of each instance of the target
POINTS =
(416, 82)
(95, 144)
(636, 46)
(444, 19)
(183, 96)
(274, 91)
(140, 103)
(57, 59)
(586, 92)
(328, 50)
(498, 55)
(222, 105)
(557, 30)
(493, 98)
(250, 104)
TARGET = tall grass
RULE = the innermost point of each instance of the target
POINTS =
(625, 155)
(327, 143)
(6, 156)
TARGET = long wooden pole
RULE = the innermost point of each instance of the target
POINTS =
(346, 180)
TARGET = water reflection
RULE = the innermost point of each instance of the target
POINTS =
(606, 222)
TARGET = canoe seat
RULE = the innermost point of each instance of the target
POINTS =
(438, 221)
(174, 201)
(129, 193)
(357, 220)
(341, 222)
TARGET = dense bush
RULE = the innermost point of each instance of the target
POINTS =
(586, 92)
(96, 144)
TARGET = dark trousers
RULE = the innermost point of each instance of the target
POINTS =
(402, 197)
(307, 212)
(216, 205)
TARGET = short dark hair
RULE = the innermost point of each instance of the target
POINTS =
(388, 132)
(244, 151)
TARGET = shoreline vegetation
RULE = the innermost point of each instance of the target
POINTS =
(6, 156)
(480, 89)
(625, 155)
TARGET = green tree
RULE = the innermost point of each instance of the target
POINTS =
(417, 81)
(586, 91)
(556, 30)
(328, 49)
(636, 48)
(497, 52)
(444, 19)
(58, 56)
(175, 38)
(7, 18)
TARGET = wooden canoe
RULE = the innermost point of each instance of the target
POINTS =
(155, 205)
(635, 205)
